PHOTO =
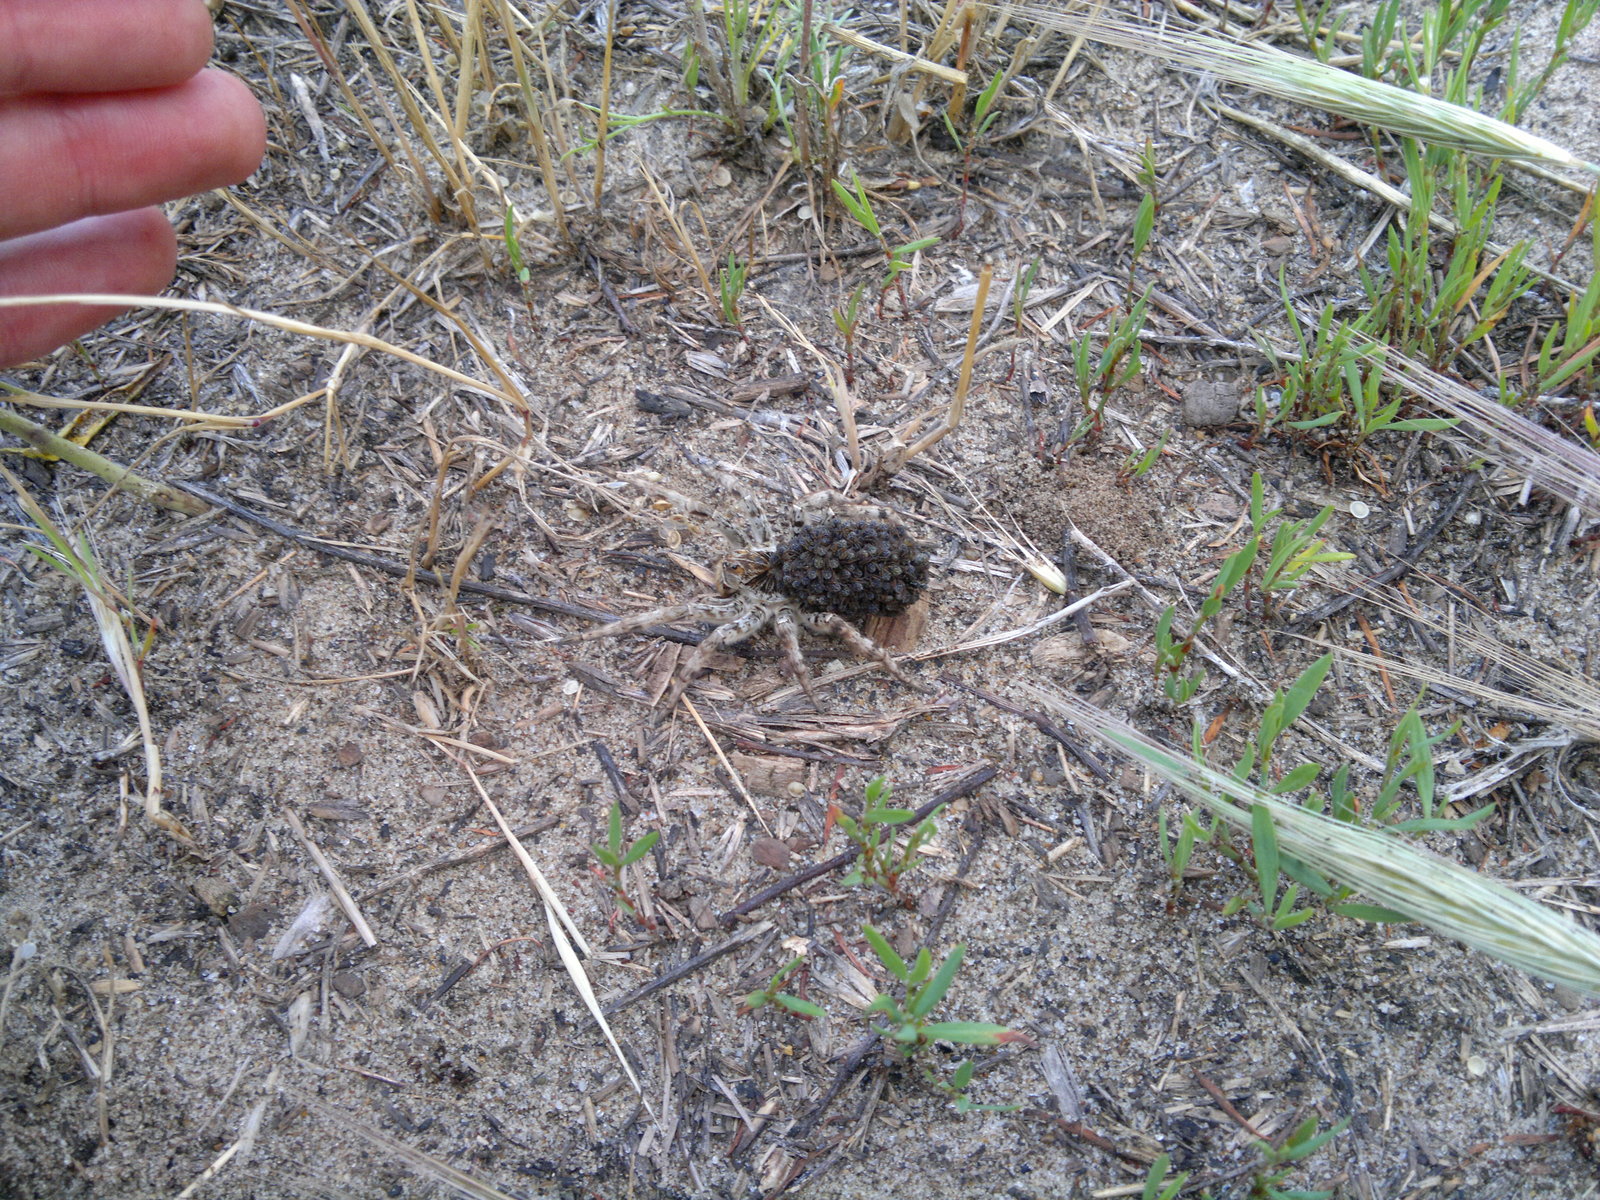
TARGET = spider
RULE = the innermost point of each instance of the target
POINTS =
(831, 572)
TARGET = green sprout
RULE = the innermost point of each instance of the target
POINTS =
(898, 258)
(847, 320)
(615, 857)
(772, 994)
(883, 861)
(731, 286)
(906, 1025)
(1156, 1184)
(1278, 1162)
(1118, 364)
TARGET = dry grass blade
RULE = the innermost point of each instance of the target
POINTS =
(423, 1164)
(1305, 81)
(507, 393)
(1546, 690)
(114, 474)
(1450, 899)
(1562, 467)
(561, 924)
(77, 560)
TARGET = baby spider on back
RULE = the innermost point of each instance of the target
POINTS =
(828, 575)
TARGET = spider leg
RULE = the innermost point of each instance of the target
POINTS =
(787, 626)
(735, 631)
(836, 626)
(715, 611)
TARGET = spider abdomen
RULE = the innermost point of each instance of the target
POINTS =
(854, 569)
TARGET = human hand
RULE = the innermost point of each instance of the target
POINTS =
(104, 110)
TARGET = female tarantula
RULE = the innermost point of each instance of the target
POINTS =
(830, 573)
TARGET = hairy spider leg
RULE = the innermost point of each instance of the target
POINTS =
(711, 610)
(786, 623)
(738, 630)
(836, 626)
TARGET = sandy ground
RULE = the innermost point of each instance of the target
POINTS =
(174, 999)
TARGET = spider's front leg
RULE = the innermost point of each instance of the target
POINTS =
(740, 629)
(711, 610)
(834, 625)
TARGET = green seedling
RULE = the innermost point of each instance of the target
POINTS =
(883, 861)
(807, 101)
(1137, 465)
(983, 116)
(1568, 352)
(731, 288)
(1144, 220)
(772, 994)
(1320, 31)
(1019, 293)
(615, 857)
(906, 1026)
(1117, 365)
(518, 267)
(1172, 654)
(847, 320)
(1292, 552)
(898, 258)
(1411, 753)
(1156, 1184)
(1278, 1162)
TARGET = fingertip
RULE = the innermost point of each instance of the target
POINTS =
(147, 246)
(239, 131)
(131, 253)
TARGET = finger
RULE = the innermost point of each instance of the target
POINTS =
(100, 45)
(128, 253)
(67, 157)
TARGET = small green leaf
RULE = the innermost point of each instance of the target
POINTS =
(1370, 912)
(1264, 839)
(886, 953)
(640, 848)
(939, 984)
(605, 856)
(971, 1033)
(799, 1007)
(1302, 776)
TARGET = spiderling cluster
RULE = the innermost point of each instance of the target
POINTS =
(852, 568)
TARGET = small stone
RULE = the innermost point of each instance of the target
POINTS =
(1208, 403)
(770, 852)
(349, 984)
(348, 755)
(252, 922)
(216, 895)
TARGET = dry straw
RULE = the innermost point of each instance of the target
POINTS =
(1450, 899)
(1305, 81)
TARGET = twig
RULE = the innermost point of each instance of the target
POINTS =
(1039, 721)
(455, 860)
(963, 787)
(726, 765)
(401, 570)
(116, 475)
(687, 968)
(346, 901)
